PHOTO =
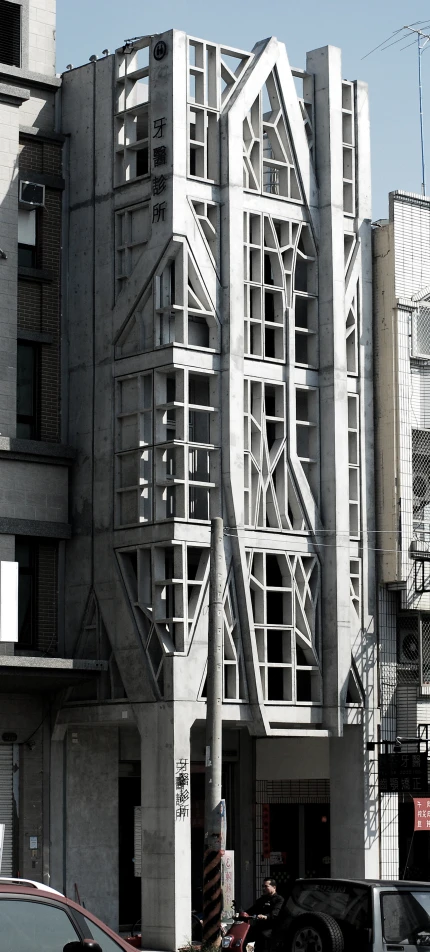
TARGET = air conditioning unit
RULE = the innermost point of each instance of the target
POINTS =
(30, 193)
(408, 646)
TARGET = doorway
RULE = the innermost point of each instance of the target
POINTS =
(299, 842)
(129, 796)
(414, 849)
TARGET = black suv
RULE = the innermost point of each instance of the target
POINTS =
(351, 915)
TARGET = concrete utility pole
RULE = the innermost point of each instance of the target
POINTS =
(212, 896)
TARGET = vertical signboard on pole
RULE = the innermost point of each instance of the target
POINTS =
(227, 882)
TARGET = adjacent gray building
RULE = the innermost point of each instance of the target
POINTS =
(402, 395)
(216, 359)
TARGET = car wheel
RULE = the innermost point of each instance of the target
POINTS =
(315, 932)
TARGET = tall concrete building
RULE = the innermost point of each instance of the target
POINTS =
(34, 458)
(402, 395)
(218, 313)
(216, 359)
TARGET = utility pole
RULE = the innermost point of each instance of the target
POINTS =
(212, 895)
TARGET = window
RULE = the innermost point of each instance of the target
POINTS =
(405, 915)
(349, 904)
(421, 331)
(27, 250)
(26, 556)
(100, 936)
(132, 116)
(10, 33)
(31, 925)
(421, 483)
(27, 384)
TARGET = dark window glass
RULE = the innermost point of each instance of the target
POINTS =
(10, 33)
(26, 556)
(405, 916)
(347, 903)
(27, 926)
(26, 256)
(100, 936)
(27, 391)
(199, 425)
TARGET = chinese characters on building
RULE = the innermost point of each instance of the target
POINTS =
(159, 182)
(182, 789)
(403, 773)
(422, 814)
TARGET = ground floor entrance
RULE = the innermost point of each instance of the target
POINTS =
(299, 842)
(292, 831)
(129, 796)
(414, 848)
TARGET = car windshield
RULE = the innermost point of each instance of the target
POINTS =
(406, 916)
(344, 901)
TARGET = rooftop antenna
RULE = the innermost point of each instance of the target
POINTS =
(422, 40)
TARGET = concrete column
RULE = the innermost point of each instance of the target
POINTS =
(244, 807)
(353, 840)
(325, 64)
(166, 834)
(92, 820)
(57, 818)
(10, 99)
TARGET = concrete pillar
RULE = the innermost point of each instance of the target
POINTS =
(166, 829)
(92, 820)
(57, 818)
(353, 789)
(325, 64)
(11, 98)
(244, 807)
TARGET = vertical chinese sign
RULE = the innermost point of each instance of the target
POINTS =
(227, 882)
(182, 789)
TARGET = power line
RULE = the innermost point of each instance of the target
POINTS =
(422, 40)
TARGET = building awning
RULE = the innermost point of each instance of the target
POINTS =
(22, 674)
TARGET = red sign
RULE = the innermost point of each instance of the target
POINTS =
(265, 823)
(422, 813)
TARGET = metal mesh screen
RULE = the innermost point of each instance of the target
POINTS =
(407, 649)
(421, 483)
(421, 331)
(425, 641)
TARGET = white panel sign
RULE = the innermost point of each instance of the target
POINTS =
(8, 601)
(227, 883)
(26, 226)
(2, 829)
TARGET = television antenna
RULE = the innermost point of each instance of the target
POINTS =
(422, 40)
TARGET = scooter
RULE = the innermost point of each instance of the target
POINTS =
(237, 935)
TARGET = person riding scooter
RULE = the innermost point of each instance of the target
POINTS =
(266, 909)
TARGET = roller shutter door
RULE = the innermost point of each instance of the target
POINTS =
(6, 805)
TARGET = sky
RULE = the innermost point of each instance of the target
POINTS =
(85, 27)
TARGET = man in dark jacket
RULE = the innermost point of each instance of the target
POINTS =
(267, 909)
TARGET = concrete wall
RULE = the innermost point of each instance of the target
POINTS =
(292, 759)
(92, 820)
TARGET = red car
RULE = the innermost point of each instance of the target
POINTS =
(36, 918)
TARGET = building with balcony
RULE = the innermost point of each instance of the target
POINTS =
(35, 458)
(218, 312)
(210, 354)
(402, 367)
